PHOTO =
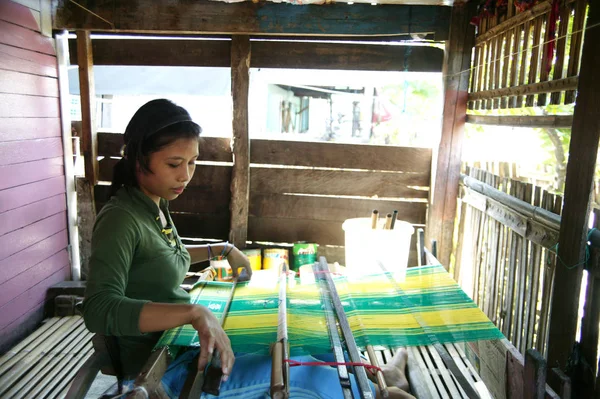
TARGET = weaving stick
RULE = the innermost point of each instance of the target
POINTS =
(374, 218)
(370, 350)
(379, 374)
(394, 217)
(388, 221)
(360, 373)
(280, 368)
(334, 336)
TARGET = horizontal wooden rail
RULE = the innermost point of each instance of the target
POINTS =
(265, 54)
(264, 18)
(541, 121)
(534, 88)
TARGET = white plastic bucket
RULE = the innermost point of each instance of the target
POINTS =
(367, 248)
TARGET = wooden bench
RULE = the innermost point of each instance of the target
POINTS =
(44, 364)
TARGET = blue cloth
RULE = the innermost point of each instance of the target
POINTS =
(251, 379)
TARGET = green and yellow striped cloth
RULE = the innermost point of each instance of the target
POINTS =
(380, 311)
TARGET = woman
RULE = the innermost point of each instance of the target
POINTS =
(138, 260)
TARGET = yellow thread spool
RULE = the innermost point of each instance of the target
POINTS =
(275, 258)
(254, 258)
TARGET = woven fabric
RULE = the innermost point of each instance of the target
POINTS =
(427, 306)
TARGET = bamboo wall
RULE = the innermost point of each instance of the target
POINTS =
(512, 60)
(507, 264)
(502, 262)
(299, 191)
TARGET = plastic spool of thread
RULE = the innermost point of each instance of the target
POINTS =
(222, 267)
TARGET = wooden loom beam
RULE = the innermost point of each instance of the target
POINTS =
(578, 188)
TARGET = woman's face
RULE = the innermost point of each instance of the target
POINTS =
(172, 169)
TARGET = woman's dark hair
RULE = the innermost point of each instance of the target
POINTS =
(155, 125)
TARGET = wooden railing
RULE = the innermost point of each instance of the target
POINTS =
(506, 260)
(299, 191)
(519, 59)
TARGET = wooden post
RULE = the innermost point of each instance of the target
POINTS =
(240, 178)
(578, 189)
(440, 224)
(534, 375)
(87, 93)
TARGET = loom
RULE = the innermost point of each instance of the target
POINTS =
(428, 308)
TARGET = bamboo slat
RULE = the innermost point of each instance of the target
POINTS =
(68, 373)
(490, 74)
(47, 364)
(37, 360)
(498, 66)
(436, 378)
(515, 59)
(44, 331)
(546, 62)
(483, 73)
(550, 259)
(576, 45)
(524, 58)
(561, 47)
(14, 373)
(474, 73)
(492, 282)
(437, 360)
(521, 308)
(480, 242)
(415, 358)
(507, 59)
(535, 57)
(534, 276)
(516, 302)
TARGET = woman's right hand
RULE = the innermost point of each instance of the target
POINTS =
(211, 336)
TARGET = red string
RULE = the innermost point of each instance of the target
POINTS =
(294, 363)
(327, 272)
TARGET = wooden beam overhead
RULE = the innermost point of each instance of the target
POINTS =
(249, 18)
(266, 54)
(159, 52)
(363, 57)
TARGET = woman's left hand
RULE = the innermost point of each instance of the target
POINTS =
(237, 259)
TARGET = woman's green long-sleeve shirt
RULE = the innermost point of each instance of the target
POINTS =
(134, 261)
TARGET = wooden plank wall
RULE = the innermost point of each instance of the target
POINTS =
(506, 267)
(512, 63)
(33, 232)
(299, 191)
(202, 211)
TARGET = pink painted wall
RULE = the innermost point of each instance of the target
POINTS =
(33, 229)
